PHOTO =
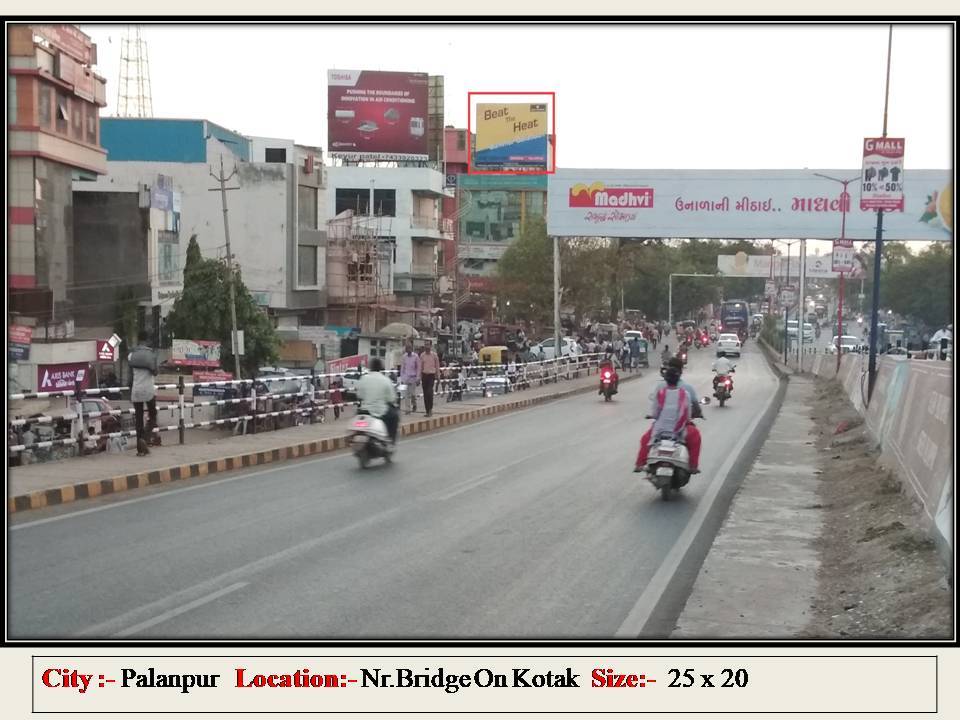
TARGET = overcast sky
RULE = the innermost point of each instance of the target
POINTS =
(665, 96)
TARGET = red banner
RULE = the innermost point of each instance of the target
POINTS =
(344, 364)
(20, 334)
(377, 113)
(57, 378)
(211, 375)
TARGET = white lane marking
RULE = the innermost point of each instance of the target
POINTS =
(477, 481)
(163, 617)
(238, 574)
(640, 614)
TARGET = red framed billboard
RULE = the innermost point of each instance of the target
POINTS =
(377, 115)
(551, 138)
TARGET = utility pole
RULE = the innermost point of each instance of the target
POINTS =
(556, 297)
(801, 313)
(226, 233)
(878, 252)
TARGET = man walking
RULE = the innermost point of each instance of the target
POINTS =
(429, 367)
(410, 376)
(143, 366)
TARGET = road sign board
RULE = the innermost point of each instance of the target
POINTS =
(788, 295)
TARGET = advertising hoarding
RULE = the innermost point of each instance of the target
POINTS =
(511, 134)
(64, 376)
(204, 376)
(342, 365)
(843, 256)
(18, 342)
(377, 115)
(195, 353)
(882, 179)
(758, 266)
(737, 204)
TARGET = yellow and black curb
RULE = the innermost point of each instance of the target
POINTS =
(98, 488)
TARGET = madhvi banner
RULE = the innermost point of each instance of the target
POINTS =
(739, 204)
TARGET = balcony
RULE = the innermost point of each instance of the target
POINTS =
(431, 228)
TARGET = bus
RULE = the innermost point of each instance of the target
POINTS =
(735, 316)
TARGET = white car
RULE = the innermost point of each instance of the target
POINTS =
(848, 344)
(728, 344)
(545, 348)
(808, 332)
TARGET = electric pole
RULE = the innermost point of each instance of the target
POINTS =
(226, 233)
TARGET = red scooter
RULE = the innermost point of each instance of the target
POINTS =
(609, 380)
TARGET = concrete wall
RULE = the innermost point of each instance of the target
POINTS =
(911, 418)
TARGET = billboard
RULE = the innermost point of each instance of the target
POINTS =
(18, 342)
(377, 115)
(882, 179)
(61, 377)
(758, 266)
(738, 204)
(195, 353)
(511, 134)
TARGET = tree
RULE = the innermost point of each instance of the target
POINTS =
(525, 275)
(202, 312)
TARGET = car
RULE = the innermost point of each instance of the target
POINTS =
(544, 350)
(792, 326)
(728, 344)
(808, 332)
(848, 344)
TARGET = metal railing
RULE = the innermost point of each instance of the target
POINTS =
(256, 412)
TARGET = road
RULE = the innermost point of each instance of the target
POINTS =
(525, 525)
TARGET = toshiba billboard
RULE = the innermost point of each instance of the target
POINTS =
(739, 204)
(377, 115)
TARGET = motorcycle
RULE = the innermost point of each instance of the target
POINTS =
(683, 355)
(722, 388)
(608, 384)
(668, 463)
(370, 439)
(698, 342)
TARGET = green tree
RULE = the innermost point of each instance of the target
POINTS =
(525, 275)
(202, 312)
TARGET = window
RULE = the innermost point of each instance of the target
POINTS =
(168, 247)
(77, 120)
(385, 202)
(360, 268)
(307, 265)
(92, 122)
(63, 113)
(12, 99)
(461, 140)
(378, 349)
(307, 207)
(44, 107)
(275, 155)
(355, 199)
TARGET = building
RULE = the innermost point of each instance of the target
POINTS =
(53, 134)
(159, 190)
(492, 213)
(399, 207)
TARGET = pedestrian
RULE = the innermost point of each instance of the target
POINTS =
(429, 367)
(512, 371)
(143, 368)
(410, 376)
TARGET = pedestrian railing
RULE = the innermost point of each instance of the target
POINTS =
(255, 408)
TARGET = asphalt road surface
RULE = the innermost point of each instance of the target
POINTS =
(526, 525)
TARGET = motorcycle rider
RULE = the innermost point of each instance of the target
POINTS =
(674, 405)
(723, 366)
(378, 397)
(665, 355)
(608, 365)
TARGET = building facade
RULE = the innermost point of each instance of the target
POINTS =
(399, 207)
(53, 132)
(160, 190)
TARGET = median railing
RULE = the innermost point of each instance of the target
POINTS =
(253, 406)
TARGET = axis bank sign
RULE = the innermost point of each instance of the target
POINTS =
(739, 204)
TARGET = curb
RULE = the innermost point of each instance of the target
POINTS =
(96, 488)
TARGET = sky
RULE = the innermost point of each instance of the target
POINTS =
(652, 97)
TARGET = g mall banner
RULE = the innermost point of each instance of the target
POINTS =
(739, 204)
(377, 115)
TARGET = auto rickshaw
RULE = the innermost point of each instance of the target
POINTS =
(493, 354)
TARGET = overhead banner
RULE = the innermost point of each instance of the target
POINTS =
(758, 266)
(738, 204)
(511, 134)
(377, 115)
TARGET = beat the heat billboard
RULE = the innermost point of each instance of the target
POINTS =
(377, 115)
(511, 134)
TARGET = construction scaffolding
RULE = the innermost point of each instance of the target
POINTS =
(359, 256)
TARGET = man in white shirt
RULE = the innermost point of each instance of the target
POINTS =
(378, 397)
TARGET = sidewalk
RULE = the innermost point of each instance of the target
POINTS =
(759, 579)
(52, 483)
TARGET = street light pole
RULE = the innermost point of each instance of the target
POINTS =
(878, 251)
